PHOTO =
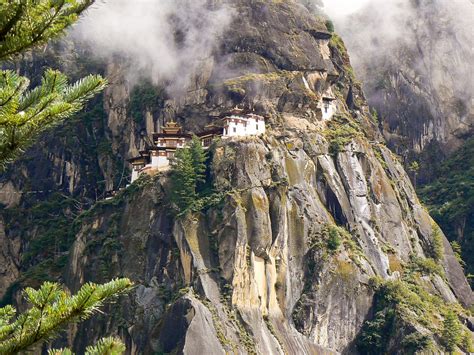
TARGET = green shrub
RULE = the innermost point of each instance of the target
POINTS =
(337, 42)
(340, 132)
(415, 342)
(427, 266)
(374, 115)
(409, 306)
(457, 252)
(329, 26)
(437, 243)
(334, 238)
(451, 334)
(466, 342)
(376, 333)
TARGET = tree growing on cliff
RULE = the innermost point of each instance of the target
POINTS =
(414, 167)
(199, 156)
(50, 310)
(188, 175)
(25, 113)
(184, 179)
(452, 335)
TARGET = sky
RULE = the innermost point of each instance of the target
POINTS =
(338, 8)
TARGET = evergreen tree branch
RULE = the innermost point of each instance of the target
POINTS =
(51, 309)
(24, 115)
(105, 346)
(28, 23)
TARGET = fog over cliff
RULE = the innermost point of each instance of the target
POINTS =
(380, 27)
(415, 61)
(162, 40)
(424, 46)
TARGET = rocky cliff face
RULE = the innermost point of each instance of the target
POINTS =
(318, 230)
(415, 72)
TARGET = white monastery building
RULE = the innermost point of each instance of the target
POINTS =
(246, 125)
(157, 158)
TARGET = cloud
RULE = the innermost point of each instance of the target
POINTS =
(427, 43)
(163, 40)
(334, 8)
(341, 8)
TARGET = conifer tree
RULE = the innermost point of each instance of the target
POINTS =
(27, 112)
(183, 180)
(24, 114)
(105, 346)
(50, 310)
(451, 331)
(27, 23)
(188, 174)
(199, 156)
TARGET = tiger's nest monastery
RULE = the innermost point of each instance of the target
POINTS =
(157, 158)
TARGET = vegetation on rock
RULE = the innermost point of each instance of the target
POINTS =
(450, 200)
(334, 238)
(405, 307)
(191, 184)
(341, 131)
(451, 333)
(144, 97)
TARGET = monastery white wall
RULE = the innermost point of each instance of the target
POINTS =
(234, 129)
(260, 126)
(163, 162)
(238, 126)
(158, 162)
(155, 160)
(135, 174)
(328, 108)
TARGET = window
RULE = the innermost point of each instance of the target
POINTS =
(235, 129)
(207, 141)
(256, 126)
(326, 106)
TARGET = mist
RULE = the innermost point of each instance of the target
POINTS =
(341, 8)
(426, 44)
(163, 41)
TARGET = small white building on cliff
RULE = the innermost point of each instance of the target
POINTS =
(328, 105)
(165, 144)
(157, 158)
(237, 125)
